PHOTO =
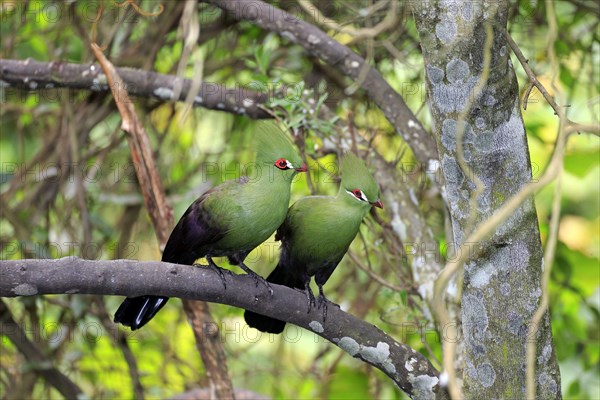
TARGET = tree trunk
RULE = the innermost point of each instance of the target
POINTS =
(501, 287)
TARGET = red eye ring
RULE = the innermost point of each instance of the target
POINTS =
(358, 194)
(282, 163)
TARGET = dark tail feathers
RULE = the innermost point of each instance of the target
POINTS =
(266, 324)
(135, 312)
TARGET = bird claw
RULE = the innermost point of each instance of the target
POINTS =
(257, 278)
(211, 265)
(310, 297)
(323, 302)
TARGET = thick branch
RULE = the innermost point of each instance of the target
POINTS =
(348, 63)
(473, 97)
(407, 368)
(43, 76)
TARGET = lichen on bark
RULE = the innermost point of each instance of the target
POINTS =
(501, 286)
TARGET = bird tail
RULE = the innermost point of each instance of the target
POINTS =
(280, 276)
(136, 312)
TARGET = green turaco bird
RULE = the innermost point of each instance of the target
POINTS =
(229, 220)
(317, 233)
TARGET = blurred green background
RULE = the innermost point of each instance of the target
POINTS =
(199, 148)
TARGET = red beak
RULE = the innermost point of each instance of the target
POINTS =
(303, 168)
(378, 204)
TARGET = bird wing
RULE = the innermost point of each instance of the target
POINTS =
(195, 229)
(284, 230)
(316, 235)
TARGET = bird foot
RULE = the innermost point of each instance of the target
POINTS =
(322, 303)
(257, 278)
(310, 297)
(220, 271)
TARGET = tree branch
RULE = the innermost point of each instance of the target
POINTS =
(406, 367)
(161, 214)
(40, 363)
(388, 23)
(348, 63)
(40, 76)
(534, 82)
(141, 152)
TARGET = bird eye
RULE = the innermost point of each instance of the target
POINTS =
(358, 194)
(282, 163)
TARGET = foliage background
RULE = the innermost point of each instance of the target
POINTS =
(198, 147)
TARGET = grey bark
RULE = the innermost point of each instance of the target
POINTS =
(46, 77)
(345, 61)
(501, 287)
(409, 369)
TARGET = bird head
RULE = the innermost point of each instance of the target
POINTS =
(358, 182)
(274, 148)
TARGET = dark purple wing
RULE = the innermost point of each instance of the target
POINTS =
(191, 239)
(193, 234)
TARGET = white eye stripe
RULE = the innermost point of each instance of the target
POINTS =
(283, 164)
(361, 196)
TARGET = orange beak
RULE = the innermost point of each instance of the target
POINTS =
(378, 204)
(303, 168)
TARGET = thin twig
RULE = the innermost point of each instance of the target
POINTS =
(531, 75)
(488, 226)
(531, 382)
(543, 307)
(35, 357)
(570, 126)
(378, 278)
(158, 209)
(461, 126)
(388, 22)
(346, 62)
(119, 338)
(161, 214)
